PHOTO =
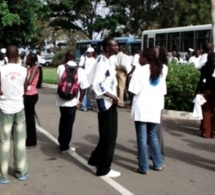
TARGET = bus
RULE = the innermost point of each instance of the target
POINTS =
(178, 39)
(129, 43)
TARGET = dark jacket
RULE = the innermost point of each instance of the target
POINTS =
(206, 80)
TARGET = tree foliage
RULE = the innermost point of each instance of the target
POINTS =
(18, 21)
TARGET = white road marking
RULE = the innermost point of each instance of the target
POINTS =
(110, 181)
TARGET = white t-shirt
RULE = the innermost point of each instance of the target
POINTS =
(148, 100)
(122, 61)
(202, 61)
(82, 80)
(13, 77)
(104, 80)
(135, 61)
(88, 64)
(194, 60)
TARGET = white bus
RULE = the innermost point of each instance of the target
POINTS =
(179, 38)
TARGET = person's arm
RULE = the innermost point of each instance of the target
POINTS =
(82, 94)
(132, 70)
(34, 72)
(113, 97)
(202, 62)
(84, 85)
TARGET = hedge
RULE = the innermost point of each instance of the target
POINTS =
(182, 80)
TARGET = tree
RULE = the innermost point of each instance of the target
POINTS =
(88, 16)
(18, 21)
(153, 14)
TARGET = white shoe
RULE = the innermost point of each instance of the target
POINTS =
(69, 151)
(113, 173)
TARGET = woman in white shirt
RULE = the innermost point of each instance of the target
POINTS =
(148, 86)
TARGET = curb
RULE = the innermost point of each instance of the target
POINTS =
(171, 114)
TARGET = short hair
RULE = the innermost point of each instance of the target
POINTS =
(33, 57)
(12, 52)
(106, 42)
(70, 55)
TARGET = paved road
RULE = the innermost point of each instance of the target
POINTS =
(190, 159)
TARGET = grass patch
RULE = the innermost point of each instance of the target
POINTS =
(50, 75)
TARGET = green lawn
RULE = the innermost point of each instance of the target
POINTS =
(50, 75)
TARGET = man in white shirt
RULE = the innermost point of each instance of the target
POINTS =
(209, 47)
(121, 73)
(195, 58)
(87, 64)
(104, 85)
(12, 117)
(68, 107)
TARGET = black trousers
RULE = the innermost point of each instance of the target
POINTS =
(67, 119)
(102, 156)
(30, 102)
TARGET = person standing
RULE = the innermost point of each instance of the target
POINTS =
(206, 87)
(209, 47)
(104, 85)
(40, 63)
(68, 107)
(121, 72)
(12, 117)
(30, 99)
(87, 64)
(161, 54)
(147, 85)
(194, 59)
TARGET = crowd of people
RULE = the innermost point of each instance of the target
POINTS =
(110, 75)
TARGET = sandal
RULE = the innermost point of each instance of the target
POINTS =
(141, 172)
(161, 168)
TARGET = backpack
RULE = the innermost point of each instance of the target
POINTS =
(68, 86)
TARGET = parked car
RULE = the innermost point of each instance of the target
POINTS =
(48, 60)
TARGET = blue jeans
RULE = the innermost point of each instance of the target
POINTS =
(86, 103)
(147, 131)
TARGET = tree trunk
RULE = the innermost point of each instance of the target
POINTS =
(213, 19)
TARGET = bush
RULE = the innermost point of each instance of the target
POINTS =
(182, 80)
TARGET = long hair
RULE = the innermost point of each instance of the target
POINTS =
(163, 55)
(155, 65)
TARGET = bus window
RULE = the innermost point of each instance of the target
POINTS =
(173, 41)
(145, 40)
(151, 42)
(187, 40)
(160, 39)
(202, 37)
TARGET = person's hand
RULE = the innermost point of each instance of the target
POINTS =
(79, 104)
(115, 100)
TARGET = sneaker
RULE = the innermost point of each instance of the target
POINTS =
(4, 181)
(113, 173)
(84, 109)
(69, 151)
(22, 178)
